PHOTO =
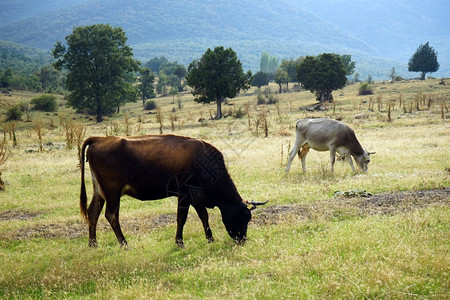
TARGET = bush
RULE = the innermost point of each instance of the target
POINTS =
(272, 99)
(261, 98)
(365, 89)
(150, 104)
(44, 103)
(14, 113)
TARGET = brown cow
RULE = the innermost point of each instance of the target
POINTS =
(156, 167)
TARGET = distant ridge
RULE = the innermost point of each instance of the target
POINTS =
(183, 30)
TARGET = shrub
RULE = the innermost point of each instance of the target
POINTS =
(14, 113)
(261, 98)
(365, 89)
(272, 99)
(150, 104)
(44, 103)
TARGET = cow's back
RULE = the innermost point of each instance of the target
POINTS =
(321, 134)
(141, 166)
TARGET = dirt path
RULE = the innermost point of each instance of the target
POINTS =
(338, 207)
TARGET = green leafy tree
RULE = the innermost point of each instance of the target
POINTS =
(145, 85)
(348, 64)
(156, 63)
(267, 63)
(7, 78)
(161, 86)
(322, 75)
(424, 60)
(281, 77)
(260, 78)
(49, 77)
(180, 72)
(290, 66)
(217, 75)
(274, 62)
(100, 68)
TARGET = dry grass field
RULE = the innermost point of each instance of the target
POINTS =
(305, 243)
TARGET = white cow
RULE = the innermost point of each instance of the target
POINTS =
(328, 135)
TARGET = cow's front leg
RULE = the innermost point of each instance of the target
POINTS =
(350, 162)
(182, 213)
(94, 210)
(292, 154)
(203, 215)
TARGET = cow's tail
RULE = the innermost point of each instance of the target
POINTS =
(83, 196)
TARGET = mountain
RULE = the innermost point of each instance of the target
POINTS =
(182, 30)
(394, 28)
(22, 59)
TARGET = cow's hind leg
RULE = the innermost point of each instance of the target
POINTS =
(112, 215)
(302, 155)
(332, 158)
(203, 215)
(94, 210)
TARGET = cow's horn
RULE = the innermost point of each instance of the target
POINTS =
(370, 153)
(255, 203)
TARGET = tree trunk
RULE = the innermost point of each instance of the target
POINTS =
(422, 76)
(99, 115)
(219, 108)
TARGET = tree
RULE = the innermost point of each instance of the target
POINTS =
(424, 60)
(393, 74)
(281, 77)
(161, 86)
(100, 68)
(290, 66)
(180, 72)
(49, 77)
(259, 79)
(146, 84)
(267, 63)
(322, 75)
(217, 75)
(348, 64)
(155, 64)
(7, 78)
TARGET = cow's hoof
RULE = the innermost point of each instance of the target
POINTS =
(179, 243)
(93, 244)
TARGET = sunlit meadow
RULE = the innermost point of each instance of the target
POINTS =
(328, 253)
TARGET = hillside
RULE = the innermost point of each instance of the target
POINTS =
(22, 59)
(183, 30)
(395, 29)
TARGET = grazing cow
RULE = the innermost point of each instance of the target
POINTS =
(324, 135)
(155, 167)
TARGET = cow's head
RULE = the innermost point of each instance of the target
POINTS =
(236, 218)
(364, 160)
